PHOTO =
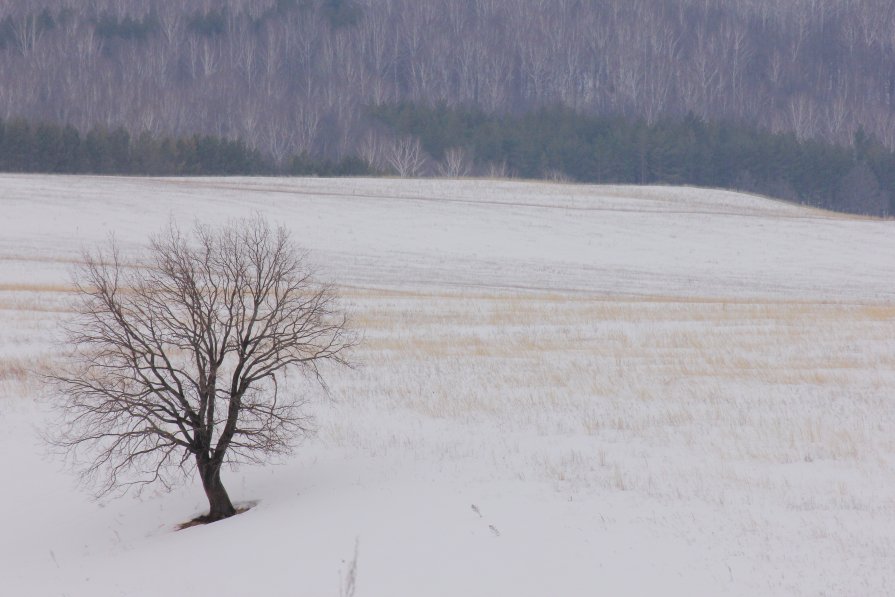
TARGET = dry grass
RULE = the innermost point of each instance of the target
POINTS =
(760, 381)
(21, 378)
(664, 396)
(14, 370)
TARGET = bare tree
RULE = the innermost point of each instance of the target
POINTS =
(406, 157)
(187, 357)
(456, 163)
(557, 175)
(372, 150)
(498, 170)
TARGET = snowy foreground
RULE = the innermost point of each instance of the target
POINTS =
(563, 390)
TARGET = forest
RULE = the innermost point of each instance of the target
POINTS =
(556, 144)
(563, 145)
(312, 78)
(51, 148)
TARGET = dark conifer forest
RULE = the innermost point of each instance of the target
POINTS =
(793, 99)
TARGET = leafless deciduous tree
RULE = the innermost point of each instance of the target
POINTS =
(456, 163)
(187, 359)
(406, 157)
(498, 170)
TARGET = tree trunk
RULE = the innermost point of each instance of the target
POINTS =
(219, 505)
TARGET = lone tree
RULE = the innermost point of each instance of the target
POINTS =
(183, 357)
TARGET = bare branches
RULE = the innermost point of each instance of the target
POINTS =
(406, 157)
(184, 357)
(456, 164)
(288, 78)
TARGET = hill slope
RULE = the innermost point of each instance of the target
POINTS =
(641, 391)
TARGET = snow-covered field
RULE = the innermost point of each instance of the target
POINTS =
(563, 390)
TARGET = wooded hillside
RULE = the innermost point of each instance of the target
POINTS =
(292, 75)
(302, 77)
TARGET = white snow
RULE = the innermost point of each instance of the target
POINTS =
(642, 391)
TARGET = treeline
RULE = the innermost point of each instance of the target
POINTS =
(293, 76)
(555, 143)
(50, 148)
(559, 143)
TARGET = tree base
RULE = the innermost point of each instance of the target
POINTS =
(208, 518)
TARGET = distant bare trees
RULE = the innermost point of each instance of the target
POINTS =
(456, 163)
(498, 170)
(406, 157)
(293, 76)
(183, 362)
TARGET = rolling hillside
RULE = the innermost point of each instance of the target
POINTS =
(562, 390)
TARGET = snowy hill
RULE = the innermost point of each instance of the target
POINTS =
(641, 391)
